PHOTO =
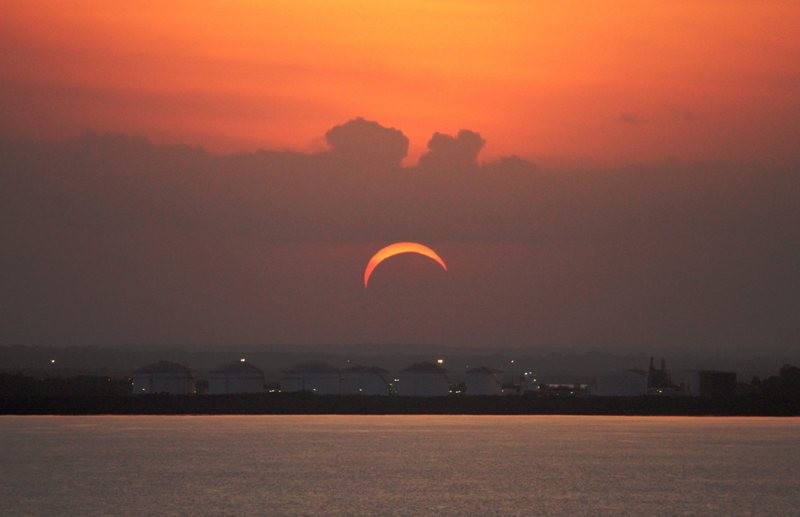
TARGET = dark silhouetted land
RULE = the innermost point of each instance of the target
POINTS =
(299, 403)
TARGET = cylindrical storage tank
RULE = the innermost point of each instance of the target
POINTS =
(238, 377)
(423, 380)
(163, 377)
(482, 381)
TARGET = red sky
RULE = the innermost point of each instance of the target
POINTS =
(570, 82)
(677, 228)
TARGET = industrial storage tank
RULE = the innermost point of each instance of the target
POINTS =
(361, 380)
(621, 384)
(423, 380)
(163, 377)
(238, 377)
(313, 377)
(482, 381)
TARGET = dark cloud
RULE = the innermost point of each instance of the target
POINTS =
(366, 142)
(447, 152)
(111, 239)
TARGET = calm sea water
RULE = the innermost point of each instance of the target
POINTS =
(408, 465)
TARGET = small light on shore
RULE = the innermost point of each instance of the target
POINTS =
(440, 361)
(242, 360)
(52, 361)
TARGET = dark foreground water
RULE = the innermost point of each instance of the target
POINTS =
(410, 465)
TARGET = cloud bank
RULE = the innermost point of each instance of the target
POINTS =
(110, 239)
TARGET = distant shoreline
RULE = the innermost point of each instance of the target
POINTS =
(307, 404)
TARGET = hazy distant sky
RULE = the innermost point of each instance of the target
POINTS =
(588, 82)
(113, 240)
(595, 174)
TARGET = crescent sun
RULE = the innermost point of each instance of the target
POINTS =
(396, 249)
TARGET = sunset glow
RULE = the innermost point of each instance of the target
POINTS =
(575, 81)
(598, 174)
(396, 249)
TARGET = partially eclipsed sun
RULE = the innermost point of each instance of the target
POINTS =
(396, 249)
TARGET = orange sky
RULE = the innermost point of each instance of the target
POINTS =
(574, 82)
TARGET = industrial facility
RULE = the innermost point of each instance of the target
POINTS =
(164, 377)
(238, 377)
(313, 377)
(483, 381)
(362, 380)
(631, 383)
(423, 380)
(710, 383)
